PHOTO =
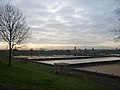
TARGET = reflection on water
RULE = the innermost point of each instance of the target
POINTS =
(77, 61)
(42, 57)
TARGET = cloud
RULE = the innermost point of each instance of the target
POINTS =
(80, 22)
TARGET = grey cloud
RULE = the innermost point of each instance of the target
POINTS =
(66, 11)
(68, 21)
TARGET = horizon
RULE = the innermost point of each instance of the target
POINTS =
(28, 47)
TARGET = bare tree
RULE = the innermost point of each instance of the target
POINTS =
(13, 27)
(116, 29)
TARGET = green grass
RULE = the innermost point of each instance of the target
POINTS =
(30, 76)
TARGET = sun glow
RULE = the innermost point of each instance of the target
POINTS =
(60, 46)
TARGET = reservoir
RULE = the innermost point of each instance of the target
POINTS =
(80, 61)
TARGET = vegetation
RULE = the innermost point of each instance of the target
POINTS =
(116, 29)
(13, 27)
(33, 76)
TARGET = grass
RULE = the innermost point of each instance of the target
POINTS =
(31, 76)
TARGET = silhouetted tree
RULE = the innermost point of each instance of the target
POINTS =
(117, 27)
(13, 27)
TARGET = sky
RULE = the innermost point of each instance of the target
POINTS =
(64, 24)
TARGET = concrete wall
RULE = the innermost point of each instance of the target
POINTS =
(95, 73)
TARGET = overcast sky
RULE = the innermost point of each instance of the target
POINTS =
(64, 23)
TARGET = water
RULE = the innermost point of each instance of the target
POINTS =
(43, 57)
(78, 61)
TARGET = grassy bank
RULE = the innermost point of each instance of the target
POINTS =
(32, 76)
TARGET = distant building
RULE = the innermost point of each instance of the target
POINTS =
(74, 48)
(85, 49)
(93, 49)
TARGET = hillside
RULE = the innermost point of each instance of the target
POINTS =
(32, 76)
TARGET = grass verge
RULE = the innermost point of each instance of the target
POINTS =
(31, 76)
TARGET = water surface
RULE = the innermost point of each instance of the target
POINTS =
(78, 61)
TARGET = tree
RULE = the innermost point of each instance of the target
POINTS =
(13, 27)
(117, 27)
